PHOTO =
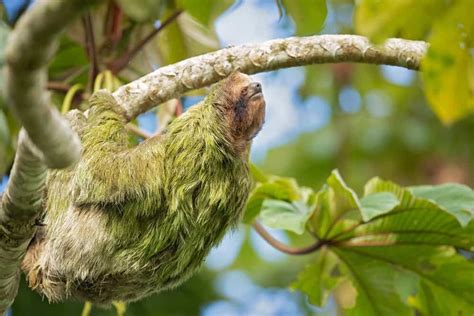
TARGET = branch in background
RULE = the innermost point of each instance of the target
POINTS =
(58, 86)
(113, 24)
(21, 205)
(46, 139)
(90, 48)
(179, 108)
(280, 9)
(284, 248)
(173, 80)
(29, 49)
(121, 62)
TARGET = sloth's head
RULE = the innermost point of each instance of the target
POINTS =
(241, 103)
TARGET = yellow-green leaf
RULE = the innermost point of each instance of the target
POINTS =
(308, 15)
(409, 19)
(205, 11)
(448, 68)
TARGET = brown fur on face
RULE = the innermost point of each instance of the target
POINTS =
(244, 107)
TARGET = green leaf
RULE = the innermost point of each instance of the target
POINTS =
(142, 10)
(457, 199)
(186, 37)
(205, 11)
(336, 201)
(374, 281)
(448, 67)
(439, 268)
(277, 188)
(398, 252)
(445, 275)
(257, 174)
(413, 221)
(433, 301)
(319, 278)
(380, 19)
(69, 55)
(376, 204)
(343, 198)
(290, 216)
(308, 15)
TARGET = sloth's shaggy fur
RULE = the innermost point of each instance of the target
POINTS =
(127, 222)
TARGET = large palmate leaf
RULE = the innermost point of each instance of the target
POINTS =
(396, 246)
(440, 270)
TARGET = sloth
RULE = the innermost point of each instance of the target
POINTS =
(128, 221)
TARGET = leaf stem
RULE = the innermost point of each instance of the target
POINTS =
(285, 248)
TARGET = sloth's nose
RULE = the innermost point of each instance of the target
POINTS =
(256, 86)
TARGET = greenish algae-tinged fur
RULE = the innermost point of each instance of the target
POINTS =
(126, 222)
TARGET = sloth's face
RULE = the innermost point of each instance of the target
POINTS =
(246, 106)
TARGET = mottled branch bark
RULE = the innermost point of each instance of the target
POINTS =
(46, 139)
(29, 49)
(21, 204)
(197, 72)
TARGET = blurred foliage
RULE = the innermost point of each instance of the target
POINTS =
(448, 69)
(392, 248)
(308, 15)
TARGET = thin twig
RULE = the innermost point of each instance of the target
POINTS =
(179, 107)
(90, 48)
(285, 248)
(280, 9)
(121, 62)
(137, 131)
(58, 86)
(113, 29)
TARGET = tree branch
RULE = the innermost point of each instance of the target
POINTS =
(21, 204)
(284, 248)
(46, 139)
(29, 49)
(200, 71)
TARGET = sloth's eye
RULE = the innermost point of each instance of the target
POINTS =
(244, 91)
